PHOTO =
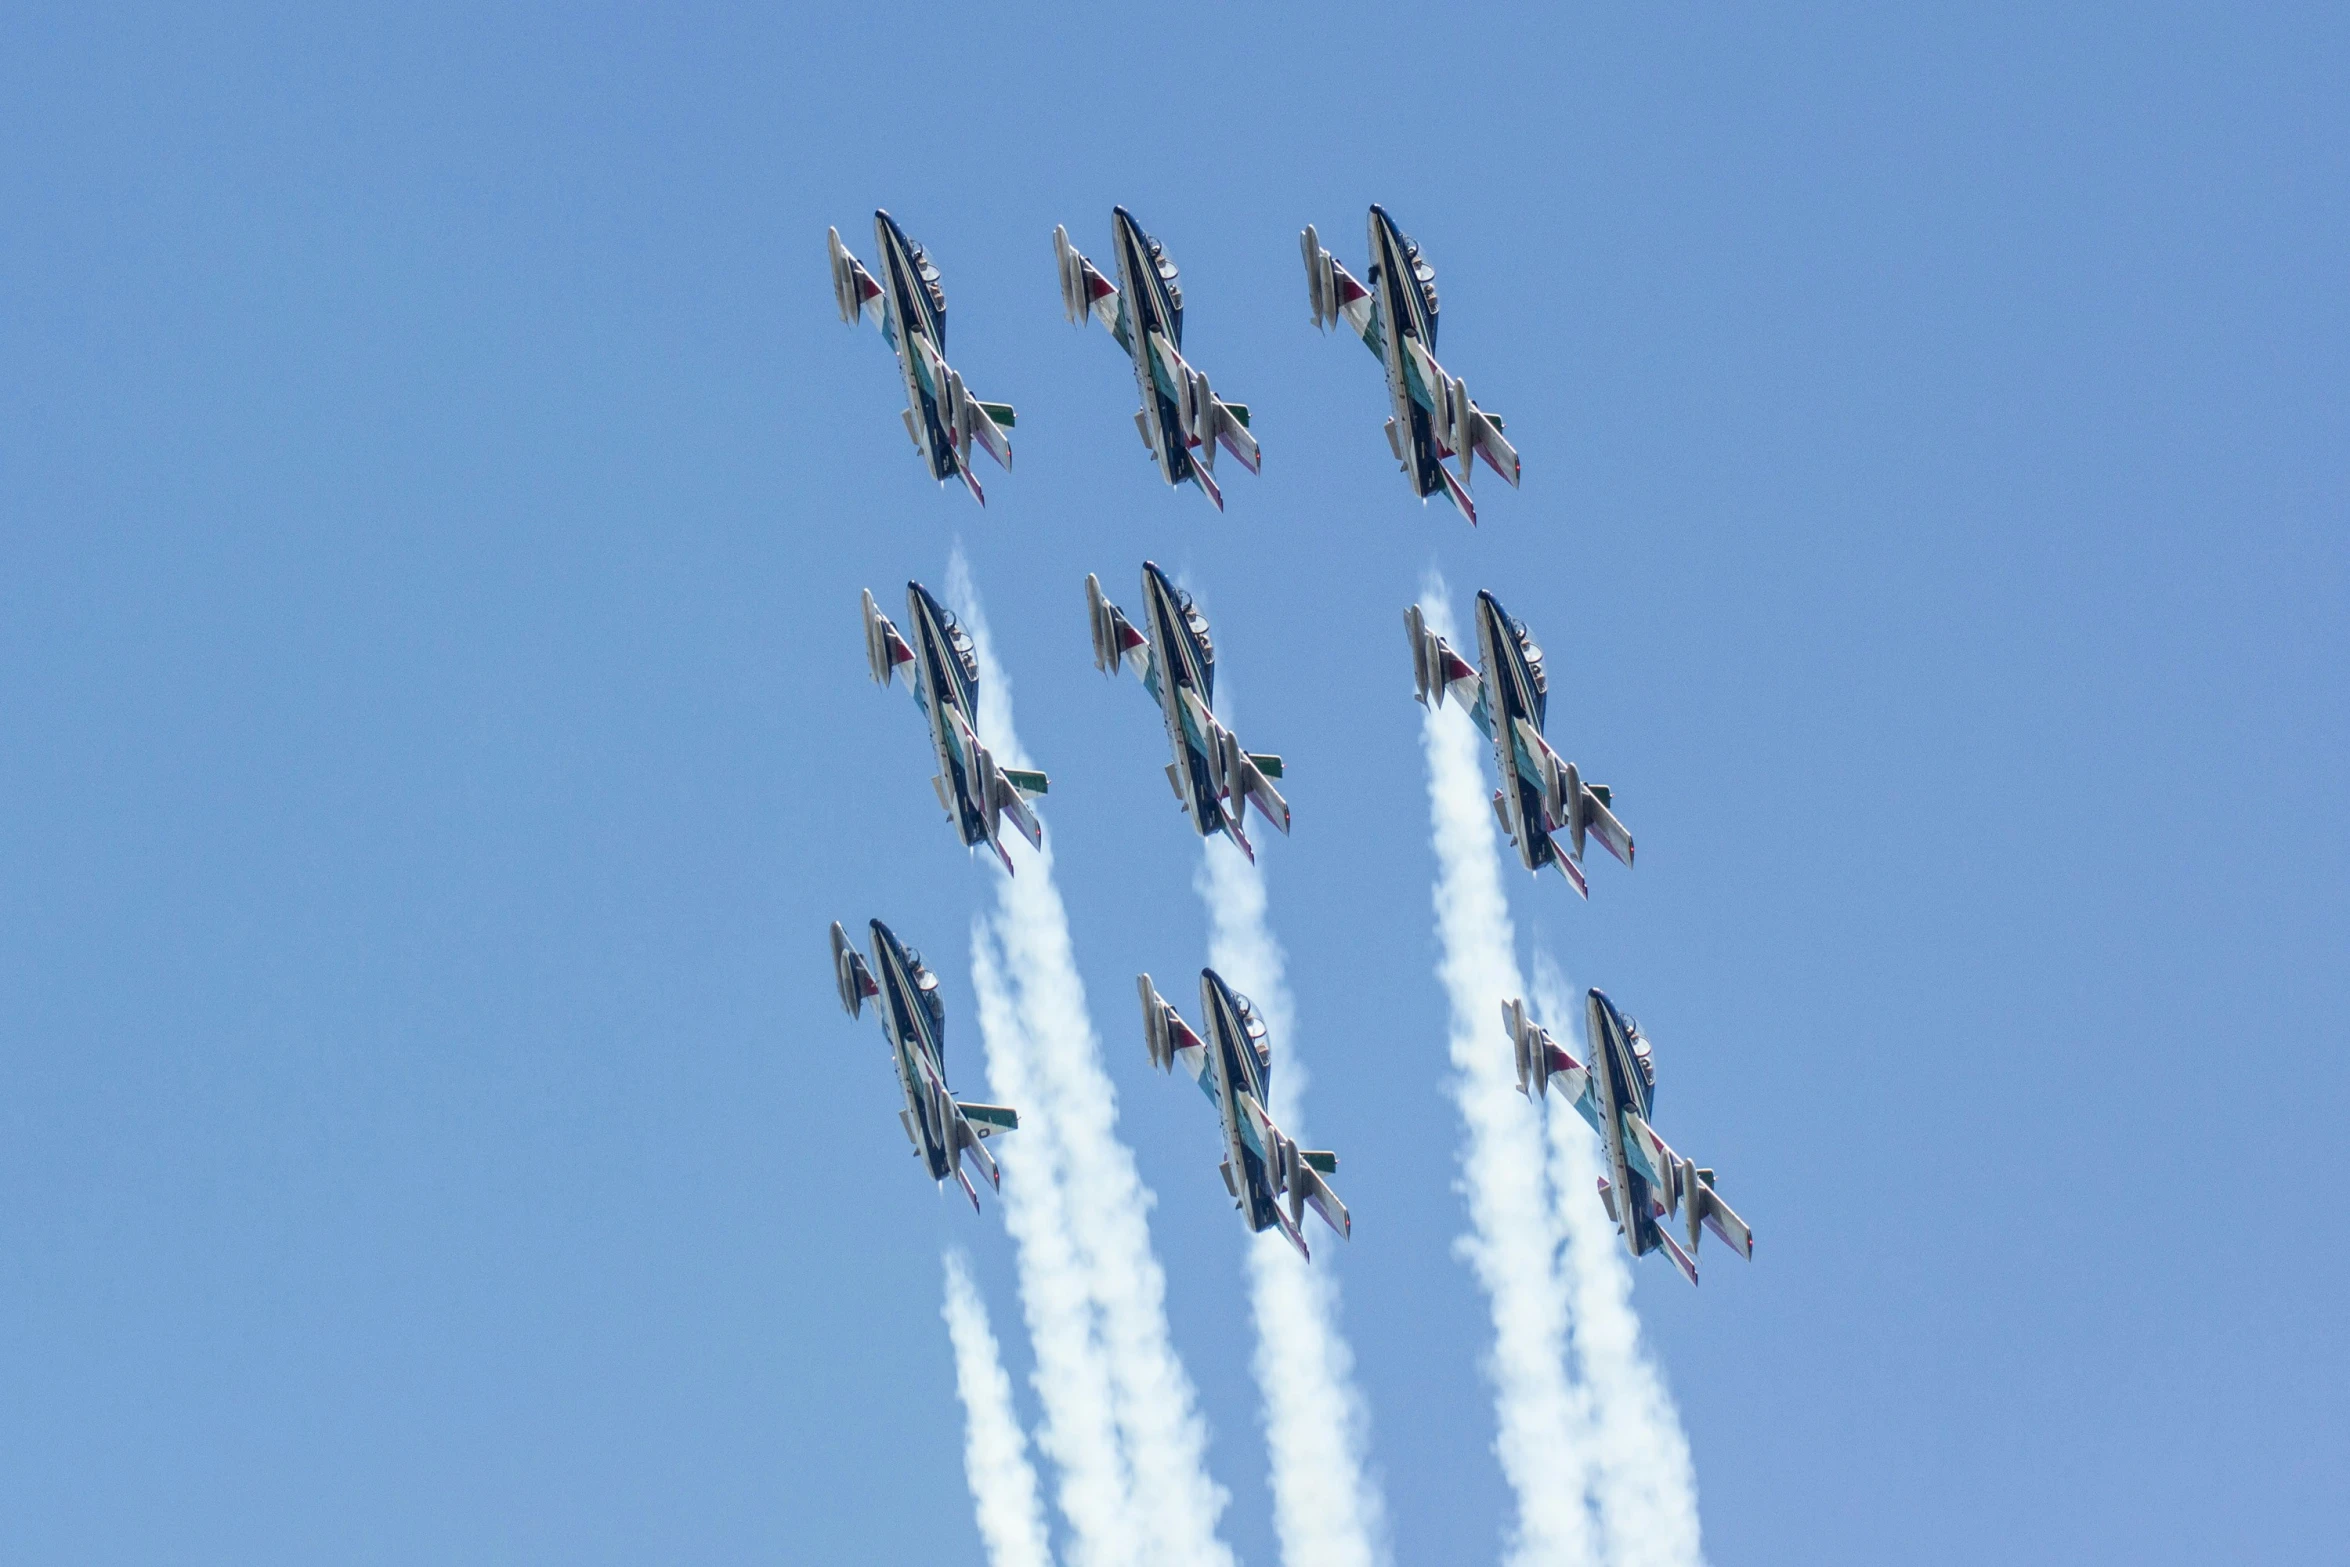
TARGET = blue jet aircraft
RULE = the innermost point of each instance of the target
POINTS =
(1396, 316)
(1541, 792)
(1214, 778)
(1233, 1067)
(914, 1022)
(1646, 1180)
(978, 795)
(1181, 420)
(943, 418)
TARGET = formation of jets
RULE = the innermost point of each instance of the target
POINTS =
(1541, 795)
(1180, 418)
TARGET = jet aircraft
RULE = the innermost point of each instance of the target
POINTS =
(1646, 1180)
(941, 415)
(1214, 778)
(979, 796)
(1541, 793)
(942, 1129)
(1234, 1067)
(1181, 420)
(1434, 417)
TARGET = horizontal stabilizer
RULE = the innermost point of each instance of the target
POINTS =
(1242, 782)
(885, 650)
(1114, 636)
(1299, 1175)
(1593, 816)
(1436, 668)
(1458, 493)
(1718, 1217)
(853, 288)
(1084, 291)
(1681, 1259)
(849, 974)
(987, 1120)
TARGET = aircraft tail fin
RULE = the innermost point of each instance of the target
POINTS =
(850, 975)
(987, 1120)
(971, 422)
(853, 288)
(1084, 290)
(1708, 1209)
(967, 1137)
(1298, 1172)
(1114, 636)
(885, 650)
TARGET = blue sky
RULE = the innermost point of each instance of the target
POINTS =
(434, 491)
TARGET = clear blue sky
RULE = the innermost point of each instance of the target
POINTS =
(434, 490)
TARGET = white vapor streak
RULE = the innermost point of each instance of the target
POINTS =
(1069, 1108)
(1642, 1480)
(1544, 1443)
(995, 1455)
(1326, 1512)
(1080, 1430)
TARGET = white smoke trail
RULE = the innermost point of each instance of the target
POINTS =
(1642, 1480)
(1171, 1505)
(1544, 1441)
(1326, 1511)
(995, 1455)
(1080, 1430)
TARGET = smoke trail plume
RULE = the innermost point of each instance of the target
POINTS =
(1642, 1482)
(1544, 1441)
(1102, 1246)
(1326, 1512)
(995, 1455)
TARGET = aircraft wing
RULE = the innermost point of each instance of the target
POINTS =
(997, 794)
(849, 973)
(1084, 291)
(1114, 637)
(1540, 1060)
(1164, 1033)
(1679, 1186)
(853, 288)
(1437, 669)
(1569, 804)
(1296, 1173)
(885, 650)
(1335, 295)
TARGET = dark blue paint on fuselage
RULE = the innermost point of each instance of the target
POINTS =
(1408, 309)
(1515, 693)
(1244, 1063)
(1151, 305)
(923, 313)
(918, 1022)
(1624, 1086)
(1187, 657)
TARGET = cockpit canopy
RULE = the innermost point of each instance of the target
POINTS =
(960, 641)
(929, 275)
(1643, 1056)
(1164, 265)
(1198, 624)
(1532, 654)
(926, 986)
(1423, 275)
(1254, 1026)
